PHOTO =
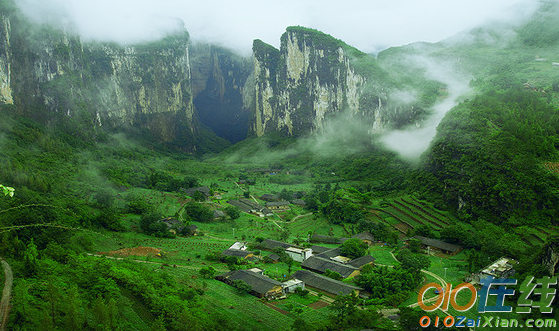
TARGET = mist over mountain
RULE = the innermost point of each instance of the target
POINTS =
(178, 166)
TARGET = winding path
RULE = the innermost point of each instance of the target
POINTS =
(6, 295)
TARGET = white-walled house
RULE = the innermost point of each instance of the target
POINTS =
(299, 254)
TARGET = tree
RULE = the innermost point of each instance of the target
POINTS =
(284, 234)
(150, 223)
(414, 245)
(289, 261)
(73, 318)
(241, 286)
(353, 248)
(233, 212)
(158, 324)
(109, 220)
(333, 274)
(300, 324)
(311, 202)
(412, 261)
(104, 198)
(198, 196)
(198, 212)
(30, 259)
(285, 194)
(345, 305)
(207, 272)
(7, 190)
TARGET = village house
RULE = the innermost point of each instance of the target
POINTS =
(366, 237)
(270, 197)
(242, 254)
(202, 189)
(271, 244)
(330, 253)
(291, 285)
(278, 205)
(274, 258)
(362, 261)
(317, 238)
(219, 215)
(320, 265)
(325, 284)
(251, 207)
(299, 254)
(239, 245)
(299, 202)
(174, 226)
(434, 245)
(261, 286)
(502, 268)
(256, 270)
(191, 230)
(319, 249)
(247, 181)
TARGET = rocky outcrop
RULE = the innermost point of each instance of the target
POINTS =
(52, 75)
(5, 58)
(310, 78)
(549, 256)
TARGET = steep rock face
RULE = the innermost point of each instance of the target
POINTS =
(312, 77)
(5, 58)
(220, 81)
(54, 76)
(549, 256)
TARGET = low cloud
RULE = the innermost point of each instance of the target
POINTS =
(368, 25)
(410, 143)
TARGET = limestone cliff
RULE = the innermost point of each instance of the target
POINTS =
(53, 76)
(313, 77)
(5, 58)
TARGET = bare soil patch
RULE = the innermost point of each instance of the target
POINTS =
(134, 251)
(318, 304)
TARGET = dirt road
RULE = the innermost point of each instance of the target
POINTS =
(6, 295)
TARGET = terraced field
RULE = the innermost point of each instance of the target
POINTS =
(407, 212)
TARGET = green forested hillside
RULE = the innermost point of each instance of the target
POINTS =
(488, 160)
(86, 237)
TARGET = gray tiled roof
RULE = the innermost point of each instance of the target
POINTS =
(320, 264)
(324, 283)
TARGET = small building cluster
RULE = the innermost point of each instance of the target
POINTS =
(317, 262)
(435, 245)
(502, 268)
(261, 286)
(251, 207)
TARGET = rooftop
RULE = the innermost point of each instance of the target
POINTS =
(236, 252)
(273, 244)
(438, 244)
(324, 283)
(321, 264)
(259, 283)
(324, 239)
(364, 236)
(361, 261)
(501, 265)
(203, 189)
(277, 203)
(296, 250)
(319, 249)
